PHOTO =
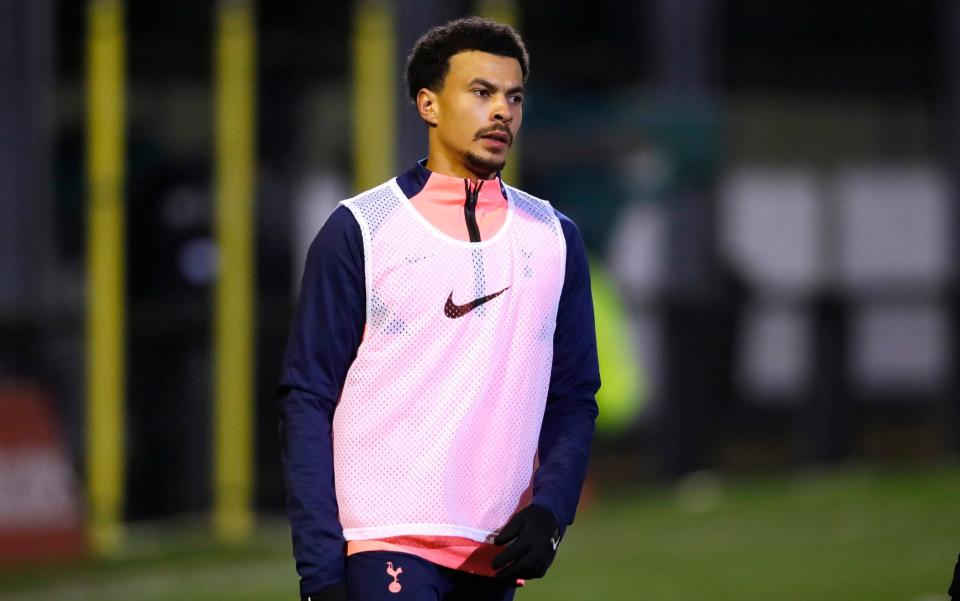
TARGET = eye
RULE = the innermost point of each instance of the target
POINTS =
(516, 99)
(482, 92)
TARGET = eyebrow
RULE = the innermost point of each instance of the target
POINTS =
(487, 84)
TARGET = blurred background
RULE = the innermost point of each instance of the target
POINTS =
(768, 191)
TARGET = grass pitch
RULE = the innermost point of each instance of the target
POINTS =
(848, 535)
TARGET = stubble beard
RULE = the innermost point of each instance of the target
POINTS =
(483, 167)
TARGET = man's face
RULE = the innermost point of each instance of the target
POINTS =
(478, 111)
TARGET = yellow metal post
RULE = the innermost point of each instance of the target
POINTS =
(105, 283)
(374, 100)
(508, 13)
(234, 333)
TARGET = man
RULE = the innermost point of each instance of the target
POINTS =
(437, 397)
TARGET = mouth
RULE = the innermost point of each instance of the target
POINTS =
(497, 138)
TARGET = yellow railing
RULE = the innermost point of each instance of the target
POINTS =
(106, 323)
(234, 313)
(374, 98)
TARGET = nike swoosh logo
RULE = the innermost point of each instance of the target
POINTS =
(453, 310)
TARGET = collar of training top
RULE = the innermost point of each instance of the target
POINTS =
(447, 187)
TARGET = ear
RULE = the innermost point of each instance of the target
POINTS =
(427, 106)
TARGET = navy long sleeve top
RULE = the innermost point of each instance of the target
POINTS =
(325, 335)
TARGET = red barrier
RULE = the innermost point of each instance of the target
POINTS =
(40, 517)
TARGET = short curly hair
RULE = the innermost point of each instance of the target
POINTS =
(429, 61)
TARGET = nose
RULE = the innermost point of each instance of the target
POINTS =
(501, 109)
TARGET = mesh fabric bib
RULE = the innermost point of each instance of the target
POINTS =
(436, 429)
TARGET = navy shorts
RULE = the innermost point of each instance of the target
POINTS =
(389, 576)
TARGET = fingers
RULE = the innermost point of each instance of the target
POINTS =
(509, 574)
(510, 531)
(523, 568)
(512, 554)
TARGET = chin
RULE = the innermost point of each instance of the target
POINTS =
(482, 164)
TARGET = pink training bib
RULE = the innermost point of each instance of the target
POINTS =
(436, 430)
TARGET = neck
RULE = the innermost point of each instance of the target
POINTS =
(443, 165)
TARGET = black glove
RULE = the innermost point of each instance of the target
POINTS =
(532, 536)
(337, 592)
(954, 591)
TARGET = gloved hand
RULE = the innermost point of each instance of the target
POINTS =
(337, 592)
(532, 536)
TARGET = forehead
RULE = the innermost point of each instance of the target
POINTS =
(504, 71)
